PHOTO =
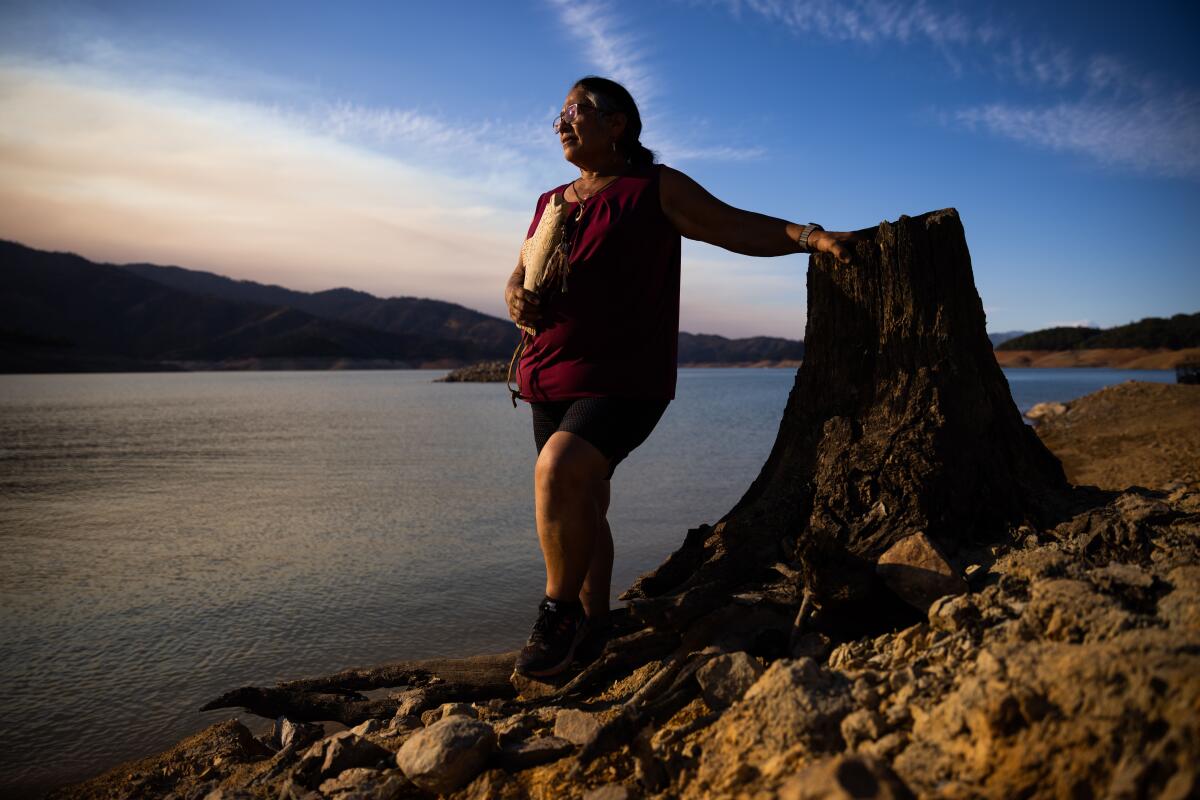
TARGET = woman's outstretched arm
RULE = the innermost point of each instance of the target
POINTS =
(698, 215)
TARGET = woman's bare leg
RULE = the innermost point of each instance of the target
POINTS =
(569, 478)
(597, 585)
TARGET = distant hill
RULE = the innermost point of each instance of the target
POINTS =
(1179, 332)
(62, 312)
(998, 339)
(1050, 339)
(493, 337)
(707, 348)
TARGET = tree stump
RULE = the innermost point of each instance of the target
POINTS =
(900, 422)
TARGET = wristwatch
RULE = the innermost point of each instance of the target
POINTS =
(804, 234)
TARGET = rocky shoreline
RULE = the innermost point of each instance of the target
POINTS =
(1066, 663)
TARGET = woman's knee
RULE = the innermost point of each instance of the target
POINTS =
(569, 462)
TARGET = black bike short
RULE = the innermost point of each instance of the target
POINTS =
(613, 425)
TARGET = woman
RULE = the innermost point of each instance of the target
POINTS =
(600, 370)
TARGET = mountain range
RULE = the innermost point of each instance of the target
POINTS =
(64, 313)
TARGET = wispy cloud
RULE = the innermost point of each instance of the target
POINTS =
(867, 21)
(617, 52)
(681, 152)
(1099, 106)
(623, 56)
(1157, 135)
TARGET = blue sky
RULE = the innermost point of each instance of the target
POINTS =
(399, 148)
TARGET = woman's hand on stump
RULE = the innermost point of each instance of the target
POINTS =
(839, 244)
(523, 306)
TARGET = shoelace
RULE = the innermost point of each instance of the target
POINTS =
(547, 620)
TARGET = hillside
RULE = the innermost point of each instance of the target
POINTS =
(493, 337)
(706, 348)
(1175, 333)
(64, 313)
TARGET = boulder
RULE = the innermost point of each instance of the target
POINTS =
(533, 752)
(334, 754)
(725, 678)
(1044, 411)
(915, 569)
(448, 754)
(576, 726)
(370, 726)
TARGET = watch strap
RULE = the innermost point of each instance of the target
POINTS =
(804, 234)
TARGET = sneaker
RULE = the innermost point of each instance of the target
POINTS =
(551, 645)
(595, 637)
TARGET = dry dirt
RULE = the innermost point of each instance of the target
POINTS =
(1134, 433)
(1117, 358)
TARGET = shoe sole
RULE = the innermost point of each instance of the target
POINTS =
(559, 667)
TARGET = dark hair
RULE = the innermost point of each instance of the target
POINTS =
(610, 96)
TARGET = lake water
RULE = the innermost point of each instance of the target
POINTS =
(168, 537)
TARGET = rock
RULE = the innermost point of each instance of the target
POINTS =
(915, 569)
(459, 710)
(448, 754)
(863, 725)
(528, 688)
(613, 791)
(285, 732)
(494, 784)
(349, 779)
(403, 724)
(513, 729)
(794, 707)
(346, 749)
(1068, 610)
(483, 372)
(533, 752)
(725, 678)
(576, 726)
(360, 783)
(953, 614)
(845, 777)
(1044, 411)
(1181, 608)
(370, 726)
(412, 702)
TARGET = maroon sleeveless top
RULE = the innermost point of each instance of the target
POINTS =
(614, 332)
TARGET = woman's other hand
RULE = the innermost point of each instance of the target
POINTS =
(523, 306)
(839, 244)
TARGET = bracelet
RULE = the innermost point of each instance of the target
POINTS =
(804, 234)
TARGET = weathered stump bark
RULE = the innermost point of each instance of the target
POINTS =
(900, 422)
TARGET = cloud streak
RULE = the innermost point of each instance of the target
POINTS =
(1103, 109)
(1156, 135)
(615, 51)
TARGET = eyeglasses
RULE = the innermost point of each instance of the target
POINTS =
(568, 115)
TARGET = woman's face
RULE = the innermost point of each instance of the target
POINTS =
(588, 139)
